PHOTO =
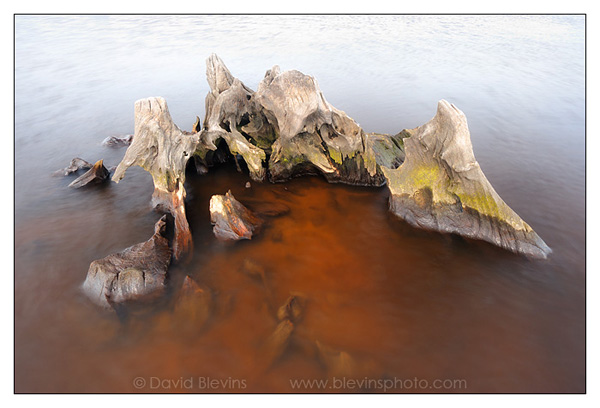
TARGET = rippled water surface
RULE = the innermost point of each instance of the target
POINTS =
(400, 302)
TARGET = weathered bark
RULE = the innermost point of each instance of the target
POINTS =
(162, 149)
(96, 175)
(174, 203)
(76, 165)
(386, 150)
(227, 104)
(135, 273)
(313, 136)
(440, 186)
(232, 221)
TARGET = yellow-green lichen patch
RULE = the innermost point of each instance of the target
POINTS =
(335, 155)
(488, 205)
(370, 161)
(408, 182)
(444, 190)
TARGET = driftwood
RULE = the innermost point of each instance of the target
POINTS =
(162, 149)
(289, 119)
(135, 273)
(75, 165)
(440, 186)
(96, 175)
(227, 104)
(431, 172)
(117, 141)
(387, 151)
(232, 221)
(312, 134)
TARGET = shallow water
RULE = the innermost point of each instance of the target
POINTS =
(402, 303)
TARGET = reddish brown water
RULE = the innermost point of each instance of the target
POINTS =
(399, 302)
(402, 303)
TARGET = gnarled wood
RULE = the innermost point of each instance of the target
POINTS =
(231, 219)
(75, 165)
(227, 103)
(162, 149)
(135, 273)
(117, 141)
(312, 134)
(98, 174)
(440, 186)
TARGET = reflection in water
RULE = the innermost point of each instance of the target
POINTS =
(379, 299)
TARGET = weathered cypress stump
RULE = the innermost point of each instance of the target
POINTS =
(312, 135)
(431, 171)
(227, 107)
(134, 274)
(231, 219)
(98, 174)
(162, 149)
(440, 186)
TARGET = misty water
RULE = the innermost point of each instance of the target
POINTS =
(401, 302)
